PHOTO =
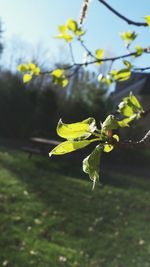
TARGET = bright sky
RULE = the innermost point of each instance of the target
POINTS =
(36, 21)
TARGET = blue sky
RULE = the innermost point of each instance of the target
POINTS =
(36, 21)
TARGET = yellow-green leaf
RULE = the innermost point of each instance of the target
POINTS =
(76, 130)
(72, 25)
(110, 123)
(69, 146)
(122, 75)
(23, 67)
(147, 19)
(128, 36)
(62, 28)
(116, 137)
(107, 148)
(139, 51)
(91, 164)
(99, 53)
(64, 82)
(58, 73)
(125, 122)
(27, 78)
(65, 36)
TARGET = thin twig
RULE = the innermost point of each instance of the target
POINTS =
(129, 21)
(89, 53)
(132, 144)
(71, 53)
(146, 50)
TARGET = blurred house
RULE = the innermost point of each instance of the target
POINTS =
(139, 85)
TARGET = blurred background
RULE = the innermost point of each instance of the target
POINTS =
(49, 214)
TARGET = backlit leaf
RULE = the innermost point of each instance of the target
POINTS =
(23, 67)
(76, 130)
(110, 123)
(91, 164)
(72, 25)
(27, 78)
(128, 36)
(139, 51)
(125, 122)
(69, 146)
(122, 75)
(147, 19)
(58, 73)
(108, 147)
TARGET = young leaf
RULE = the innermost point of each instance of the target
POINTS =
(99, 54)
(147, 19)
(130, 106)
(105, 79)
(91, 164)
(27, 78)
(76, 130)
(139, 51)
(58, 73)
(23, 67)
(62, 28)
(125, 122)
(107, 148)
(127, 64)
(110, 123)
(128, 36)
(72, 25)
(67, 37)
(122, 75)
(70, 146)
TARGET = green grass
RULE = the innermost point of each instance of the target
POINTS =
(50, 219)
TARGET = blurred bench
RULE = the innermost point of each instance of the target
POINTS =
(40, 146)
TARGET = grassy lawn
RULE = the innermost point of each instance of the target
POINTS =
(48, 218)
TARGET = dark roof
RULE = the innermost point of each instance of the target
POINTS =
(138, 81)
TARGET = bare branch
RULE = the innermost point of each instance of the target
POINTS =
(145, 141)
(112, 59)
(129, 21)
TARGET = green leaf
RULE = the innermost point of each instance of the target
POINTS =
(139, 51)
(122, 75)
(57, 73)
(27, 78)
(108, 147)
(110, 123)
(128, 36)
(116, 137)
(130, 106)
(127, 64)
(67, 37)
(23, 67)
(147, 19)
(79, 32)
(64, 83)
(105, 79)
(70, 146)
(72, 25)
(91, 164)
(76, 130)
(62, 29)
(125, 122)
(135, 101)
(99, 54)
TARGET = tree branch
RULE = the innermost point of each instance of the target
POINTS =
(112, 59)
(133, 144)
(129, 21)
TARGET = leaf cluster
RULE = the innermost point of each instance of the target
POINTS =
(81, 134)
